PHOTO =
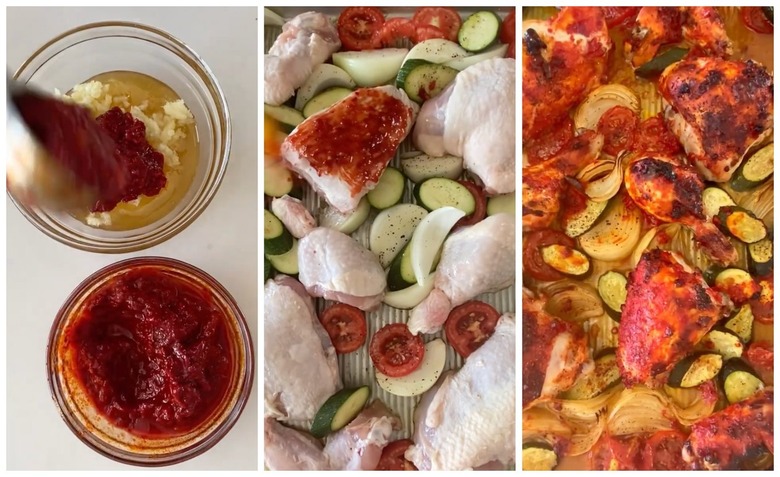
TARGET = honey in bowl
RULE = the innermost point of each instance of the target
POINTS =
(166, 171)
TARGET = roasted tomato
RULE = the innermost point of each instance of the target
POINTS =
(358, 27)
(618, 125)
(395, 352)
(393, 456)
(663, 451)
(393, 30)
(763, 307)
(549, 145)
(428, 32)
(446, 20)
(654, 137)
(507, 33)
(533, 264)
(346, 326)
(617, 453)
(480, 205)
(761, 356)
(469, 325)
(755, 19)
(615, 16)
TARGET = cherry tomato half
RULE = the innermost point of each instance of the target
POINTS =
(469, 325)
(480, 205)
(393, 456)
(346, 326)
(755, 19)
(428, 32)
(393, 30)
(618, 125)
(507, 33)
(447, 20)
(357, 27)
(395, 352)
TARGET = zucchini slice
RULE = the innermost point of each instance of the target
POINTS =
(400, 275)
(286, 116)
(422, 166)
(739, 380)
(286, 263)
(267, 269)
(424, 81)
(566, 260)
(737, 284)
(479, 31)
(713, 198)
(345, 223)
(657, 65)
(539, 456)
(389, 190)
(501, 204)
(755, 170)
(741, 323)
(324, 100)
(605, 375)
(276, 239)
(579, 223)
(339, 410)
(740, 224)
(695, 370)
(438, 192)
(613, 288)
(761, 257)
(722, 341)
(277, 180)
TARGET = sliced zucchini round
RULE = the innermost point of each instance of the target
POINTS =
(761, 257)
(741, 323)
(277, 240)
(345, 223)
(723, 341)
(755, 170)
(438, 192)
(425, 81)
(400, 275)
(739, 380)
(286, 263)
(324, 100)
(613, 288)
(267, 269)
(657, 65)
(339, 410)
(566, 260)
(694, 370)
(286, 116)
(479, 31)
(388, 191)
(539, 456)
(605, 375)
(579, 223)
(737, 284)
(501, 204)
(713, 198)
(741, 224)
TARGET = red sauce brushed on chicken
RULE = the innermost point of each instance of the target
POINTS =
(152, 353)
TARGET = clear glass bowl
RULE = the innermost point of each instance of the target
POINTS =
(84, 52)
(114, 442)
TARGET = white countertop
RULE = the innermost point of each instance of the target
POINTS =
(223, 241)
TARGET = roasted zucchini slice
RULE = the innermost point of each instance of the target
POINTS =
(761, 257)
(579, 223)
(755, 170)
(713, 198)
(739, 380)
(613, 287)
(566, 260)
(657, 65)
(539, 456)
(723, 341)
(737, 284)
(605, 375)
(695, 370)
(741, 323)
(740, 224)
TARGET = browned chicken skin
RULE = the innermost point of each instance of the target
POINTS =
(701, 27)
(668, 309)
(564, 58)
(554, 353)
(672, 192)
(739, 437)
(718, 109)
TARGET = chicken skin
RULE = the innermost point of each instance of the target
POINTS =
(718, 109)
(564, 58)
(739, 437)
(701, 27)
(554, 353)
(668, 309)
(672, 192)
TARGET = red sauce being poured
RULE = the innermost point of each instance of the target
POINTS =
(152, 353)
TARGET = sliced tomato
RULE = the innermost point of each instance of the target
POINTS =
(533, 264)
(480, 205)
(447, 20)
(617, 453)
(395, 29)
(618, 125)
(761, 356)
(550, 144)
(510, 52)
(469, 325)
(395, 351)
(346, 326)
(663, 451)
(654, 137)
(393, 456)
(615, 16)
(427, 32)
(507, 33)
(357, 27)
(754, 19)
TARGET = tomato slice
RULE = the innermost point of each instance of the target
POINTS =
(754, 19)
(469, 325)
(663, 451)
(480, 205)
(395, 29)
(510, 52)
(615, 16)
(617, 453)
(346, 326)
(507, 33)
(550, 144)
(654, 137)
(395, 352)
(532, 254)
(393, 456)
(427, 32)
(357, 27)
(446, 19)
(618, 125)
(761, 356)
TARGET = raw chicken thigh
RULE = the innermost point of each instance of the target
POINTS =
(300, 370)
(478, 259)
(294, 215)
(288, 449)
(336, 267)
(306, 41)
(474, 118)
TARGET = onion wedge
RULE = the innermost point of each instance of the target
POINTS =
(599, 101)
(429, 237)
(409, 297)
(616, 235)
